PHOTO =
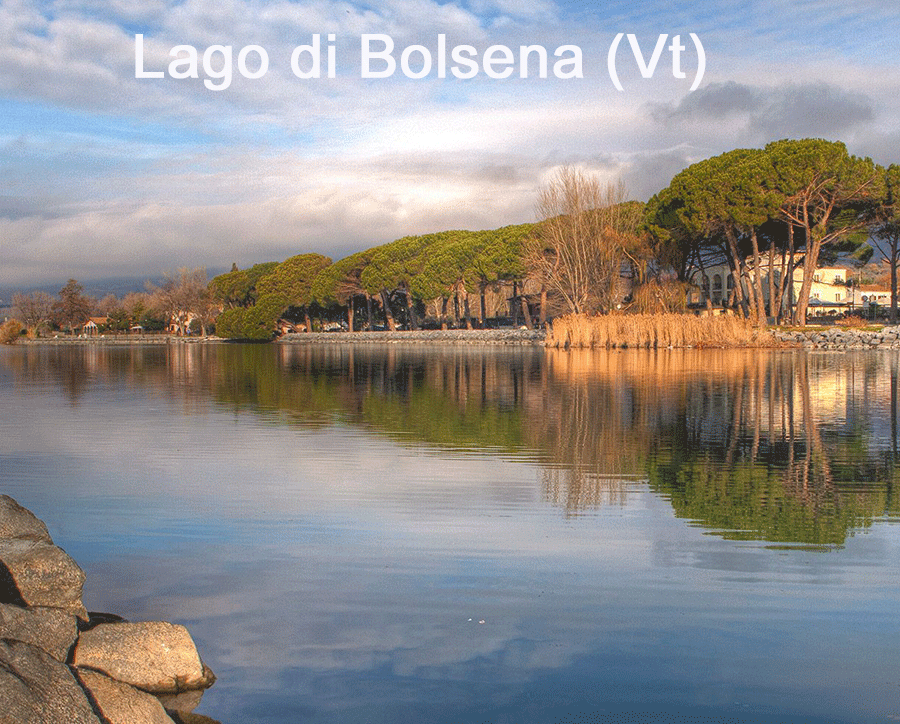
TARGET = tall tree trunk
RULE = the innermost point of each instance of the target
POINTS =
(515, 305)
(308, 321)
(737, 273)
(757, 281)
(705, 281)
(773, 310)
(481, 288)
(411, 312)
(370, 311)
(456, 315)
(444, 302)
(351, 313)
(780, 290)
(810, 262)
(895, 252)
(543, 305)
(526, 312)
(792, 309)
(466, 309)
(388, 314)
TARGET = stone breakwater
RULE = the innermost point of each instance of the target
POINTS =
(840, 338)
(426, 336)
(60, 664)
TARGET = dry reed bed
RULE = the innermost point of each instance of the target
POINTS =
(654, 331)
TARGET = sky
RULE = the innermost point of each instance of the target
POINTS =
(108, 174)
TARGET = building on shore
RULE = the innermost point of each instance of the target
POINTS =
(832, 290)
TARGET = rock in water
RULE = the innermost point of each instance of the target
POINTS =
(35, 573)
(120, 703)
(154, 656)
(19, 522)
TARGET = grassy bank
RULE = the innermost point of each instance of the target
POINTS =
(654, 331)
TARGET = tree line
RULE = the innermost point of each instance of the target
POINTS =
(792, 205)
(179, 301)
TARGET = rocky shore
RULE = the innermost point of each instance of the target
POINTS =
(119, 340)
(840, 338)
(431, 336)
(832, 338)
(61, 664)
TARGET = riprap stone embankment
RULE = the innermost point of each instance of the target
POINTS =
(60, 664)
(840, 338)
(425, 336)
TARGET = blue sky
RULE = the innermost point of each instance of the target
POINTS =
(106, 174)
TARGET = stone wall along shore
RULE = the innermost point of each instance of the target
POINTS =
(841, 338)
(61, 664)
(426, 336)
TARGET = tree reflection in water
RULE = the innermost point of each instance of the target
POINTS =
(781, 446)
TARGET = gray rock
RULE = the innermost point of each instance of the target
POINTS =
(190, 718)
(154, 656)
(35, 573)
(95, 618)
(50, 629)
(120, 703)
(19, 522)
(35, 688)
(184, 702)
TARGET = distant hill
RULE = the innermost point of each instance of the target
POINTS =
(98, 288)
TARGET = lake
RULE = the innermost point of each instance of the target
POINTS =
(404, 533)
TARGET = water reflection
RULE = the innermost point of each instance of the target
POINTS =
(333, 523)
(786, 447)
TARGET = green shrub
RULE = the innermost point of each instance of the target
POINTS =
(256, 322)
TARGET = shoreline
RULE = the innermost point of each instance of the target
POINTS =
(833, 338)
(118, 341)
(527, 337)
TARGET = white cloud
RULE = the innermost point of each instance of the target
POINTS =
(165, 167)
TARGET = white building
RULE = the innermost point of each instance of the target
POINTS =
(831, 292)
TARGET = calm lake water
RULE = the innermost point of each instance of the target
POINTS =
(505, 535)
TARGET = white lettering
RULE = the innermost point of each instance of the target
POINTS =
(524, 52)
(263, 62)
(224, 74)
(385, 55)
(470, 63)
(314, 53)
(647, 70)
(574, 61)
(497, 61)
(426, 61)
(490, 60)
(139, 71)
(189, 61)
(331, 61)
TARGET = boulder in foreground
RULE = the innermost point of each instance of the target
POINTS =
(36, 573)
(50, 629)
(19, 522)
(35, 688)
(120, 703)
(155, 656)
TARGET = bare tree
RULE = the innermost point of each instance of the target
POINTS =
(109, 305)
(182, 298)
(580, 246)
(34, 310)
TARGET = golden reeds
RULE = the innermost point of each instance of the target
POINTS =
(654, 331)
